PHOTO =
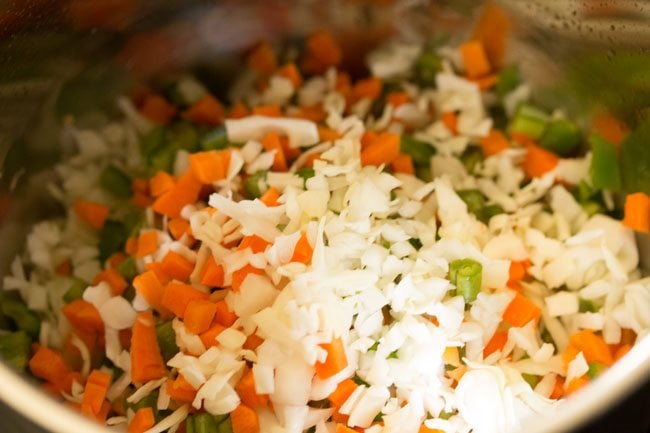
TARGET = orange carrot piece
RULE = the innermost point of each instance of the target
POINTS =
(327, 134)
(336, 359)
(576, 384)
(157, 109)
(64, 268)
(309, 162)
(610, 127)
(177, 296)
(147, 243)
(569, 354)
(212, 273)
(342, 392)
(177, 266)
(592, 346)
(368, 88)
(450, 120)
(141, 200)
(622, 351)
(83, 315)
(303, 250)
(116, 259)
(95, 390)
(558, 388)
(538, 161)
(252, 342)
(268, 110)
(424, 429)
(239, 275)
(224, 316)
(244, 420)
(185, 191)
(517, 272)
(382, 150)
(396, 99)
(255, 243)
(131, 246)
(246, 390)
(521, 310)
(210, 166)
(271, 142)
(160, 183)
(486, 82)
(322, 52)
(49, 365)
(178, 227)
(150, 288)
(290, 153)
(497, 342)
(93, 213)
(209, 337)
(180, 390)
(140, 185)
(199, 315)
(114, 279)
(474, 59)
(270, 197)
(238, 111)
(262, 59)
(492, 30)
(637, 212)
(367, 139)
(403, 164)
(142, 421)
(291, 72)
(494, 143)
(146, 361)
(206, 111)
(342, 428)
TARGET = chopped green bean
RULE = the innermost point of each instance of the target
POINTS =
(153, 140)
(424, 173)
(184, 135)
(306, 173)
(167, 340)
(127, 268)
(471, 158)
(587, 306)
(255, 184)
(508, 81)
(466, 275)
(420, 151)
(531, 379)
(116, 182)
(15, 349)
(225, 426)
(561, 137)
(529, 120)
(24, 319)
(112, 238)
(415, 243)
(474, 200)
(204, 423)
(604, 169)
(595, 369)
(75, 291)
(489, 211)
(427, 67)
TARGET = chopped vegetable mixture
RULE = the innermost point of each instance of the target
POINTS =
(420, 250)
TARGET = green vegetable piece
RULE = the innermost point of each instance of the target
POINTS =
(595, 369)
(467, 275)
(587, 306)
(584, 192)
(604, 169)
(15, 349)
(255, 184)
(561, 137)
(547, 337)
(471, 158)
(167, 340)
(530, 121)
(162, 159)
(531, 379)
(129, 293)
(225, 426)
(189, 424)
(24, 319)
(508, 81)
(446, 415)
(474, 200)
(150, 400)
(216, 139)
(378, 418)
(392, 355)
(154, 139)
(184, 135)
(127, 268)
(133, 222)
(374, 346)
(424, 173)
(306, 173)
(75, 291)
(416, 243)
(356, 379)
(204, 423)
(427, 67)
(112, 238)
(489, 211)
(635, 159)
(420, 151)
(116, 182)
